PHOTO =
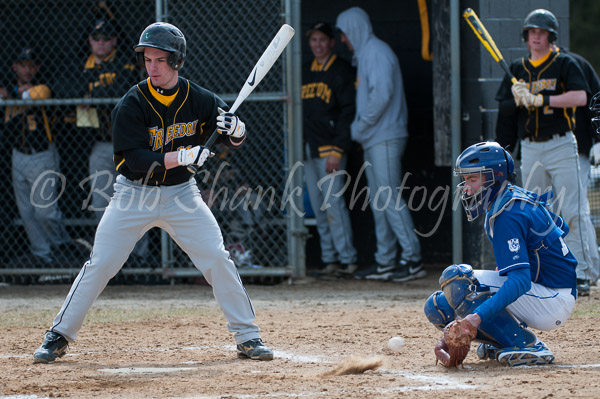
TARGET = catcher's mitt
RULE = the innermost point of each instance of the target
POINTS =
(453, 348)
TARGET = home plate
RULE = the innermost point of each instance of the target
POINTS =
(145, 370)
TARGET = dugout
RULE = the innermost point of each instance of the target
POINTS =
(423, 35)
(415, 29)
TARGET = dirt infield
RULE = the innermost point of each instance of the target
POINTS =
(172, 342)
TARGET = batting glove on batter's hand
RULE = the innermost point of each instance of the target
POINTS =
(195, 156)
(533, 100)
(518, 91)
(231, 125)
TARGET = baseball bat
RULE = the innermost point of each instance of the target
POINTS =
(262, 67)
(486, 39)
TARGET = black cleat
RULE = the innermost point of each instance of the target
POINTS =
(583, 287)
(376, 272)
(408, 270)
(54, 345)
(254, 349)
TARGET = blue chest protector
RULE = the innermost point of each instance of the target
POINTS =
(522, 217)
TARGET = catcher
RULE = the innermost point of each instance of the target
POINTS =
(534, 284)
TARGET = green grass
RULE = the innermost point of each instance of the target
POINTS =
(585, 308)
(100, 316)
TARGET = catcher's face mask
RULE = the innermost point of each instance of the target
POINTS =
(475, 191)
(483, 168)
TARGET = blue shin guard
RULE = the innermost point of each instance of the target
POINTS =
(438, 311)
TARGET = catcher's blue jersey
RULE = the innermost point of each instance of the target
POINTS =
(524, 234)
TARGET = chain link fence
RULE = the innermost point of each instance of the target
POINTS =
(56, 133)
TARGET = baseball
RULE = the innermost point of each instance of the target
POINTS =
(395, 344)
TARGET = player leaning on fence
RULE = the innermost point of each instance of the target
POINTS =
(159, 127)
(30, 129)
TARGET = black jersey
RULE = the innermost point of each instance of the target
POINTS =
(110, 79)
(557, 74)
(328, 106)
(141, 121)
(29, 126)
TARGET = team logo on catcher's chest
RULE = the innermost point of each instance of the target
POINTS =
(513, 244)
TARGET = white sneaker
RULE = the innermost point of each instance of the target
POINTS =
(537, 354)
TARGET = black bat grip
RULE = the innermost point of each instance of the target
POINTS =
(209, 143)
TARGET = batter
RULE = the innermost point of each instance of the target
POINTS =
(159, 127)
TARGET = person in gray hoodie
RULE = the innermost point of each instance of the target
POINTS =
(380, 127)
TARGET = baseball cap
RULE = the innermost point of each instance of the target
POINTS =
(27, 54)
(323, 27)
(103, 28)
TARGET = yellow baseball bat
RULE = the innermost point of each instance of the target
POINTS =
(486, 39)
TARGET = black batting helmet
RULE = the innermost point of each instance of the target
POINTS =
(162, 36)
(542, 19)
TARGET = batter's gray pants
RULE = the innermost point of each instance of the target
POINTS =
(180, 211)
(102, 178)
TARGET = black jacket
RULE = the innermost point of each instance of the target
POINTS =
(328, 101)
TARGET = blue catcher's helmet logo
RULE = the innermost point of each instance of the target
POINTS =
(513, 245)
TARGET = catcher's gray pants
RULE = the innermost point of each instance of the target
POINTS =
(102, 179)
(37, 185)
(180, 211)
(555, 164)
(393, 223)
(326, 193)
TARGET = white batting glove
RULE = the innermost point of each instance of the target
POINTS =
(533, 100)
(231, 125)
(595, 154)
(518, 91)
(194, 156)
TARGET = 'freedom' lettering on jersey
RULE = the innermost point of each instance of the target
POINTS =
(542, 84)
(143, 119)
(173, 132)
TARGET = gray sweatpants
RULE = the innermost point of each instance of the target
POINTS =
(555, 164)
(37, 185)
(326, 193)
(180, 211)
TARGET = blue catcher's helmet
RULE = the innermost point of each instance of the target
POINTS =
(494, 165)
